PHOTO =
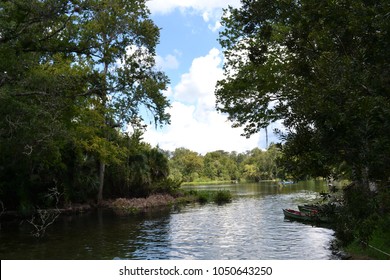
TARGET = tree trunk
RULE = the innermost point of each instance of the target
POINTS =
(102, 168)
(102, 165)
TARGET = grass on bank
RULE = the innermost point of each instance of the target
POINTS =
(199, 183)
(377, 249)
(227, 182)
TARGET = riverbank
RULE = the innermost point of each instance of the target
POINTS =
(377, 249)
(226, 182)
(200, 183)
(75, 208)
(135, 205)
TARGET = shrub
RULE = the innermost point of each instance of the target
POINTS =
(219, 197)
(203, 196)
(222, 196)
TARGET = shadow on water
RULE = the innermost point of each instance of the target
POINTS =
(251, 227)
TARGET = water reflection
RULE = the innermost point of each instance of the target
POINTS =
(251, 227)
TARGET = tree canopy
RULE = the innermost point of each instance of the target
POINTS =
(74, 74)
(320, 67)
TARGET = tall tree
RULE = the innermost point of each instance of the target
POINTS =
(38, 85)
(123, 40)
(322, 68)
(72, 74)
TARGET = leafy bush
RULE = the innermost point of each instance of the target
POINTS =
(222, 196)
(205, 196)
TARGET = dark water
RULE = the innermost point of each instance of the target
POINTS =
(251, 227)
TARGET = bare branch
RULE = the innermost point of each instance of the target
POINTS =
(43, 218)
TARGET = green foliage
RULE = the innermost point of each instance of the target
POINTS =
(203, 196)
(186, 165)
(321, 68)
(362, 213)
(221, 166)
(206, 196)
(144, 170)
(262, 165)
(222, 196)
(73, 75)
(379, 242)
(167, 186)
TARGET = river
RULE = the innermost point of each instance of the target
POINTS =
(251, 227)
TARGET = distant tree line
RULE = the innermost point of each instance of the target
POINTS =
(252, 166)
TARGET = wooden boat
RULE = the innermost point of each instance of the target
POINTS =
(296, 215)
(312, 216)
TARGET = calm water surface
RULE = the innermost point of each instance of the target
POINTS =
(251, 227)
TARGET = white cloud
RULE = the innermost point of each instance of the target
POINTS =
(206, 16)
(210, 10)
(197, 132)
(199, 83)
(217, 25)
(195, 124)
(214, 18)
(167, 6)
(168, 62)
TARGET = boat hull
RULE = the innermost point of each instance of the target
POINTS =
(312, 216)
(296, 215)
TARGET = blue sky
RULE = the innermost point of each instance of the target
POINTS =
(190, 55)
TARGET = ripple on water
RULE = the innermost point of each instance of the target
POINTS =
(251, 227)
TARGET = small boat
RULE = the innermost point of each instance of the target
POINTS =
(297, 215)
(312, 216)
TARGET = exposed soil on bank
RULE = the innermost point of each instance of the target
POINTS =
(119, 204)
(131, 205)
